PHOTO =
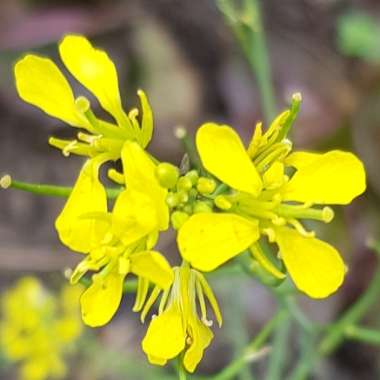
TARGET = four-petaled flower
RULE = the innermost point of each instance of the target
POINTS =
(270, 190)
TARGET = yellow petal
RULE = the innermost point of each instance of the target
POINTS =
(274, 176)
(147, 119)
(156, 361)
(154, 267)
(223, 155)
(201, 337)
(140, 175)
(88, 196)
(315, 266)
(166, 336)
(101, 300)
(209, 240)
(301, 159)
(95, 70)
(259, 254)
(335, 177)
(40, 82)
(134, 216)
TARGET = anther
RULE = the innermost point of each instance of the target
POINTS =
(67, 273)
(207, 322)
(67, 149)
(5, 181)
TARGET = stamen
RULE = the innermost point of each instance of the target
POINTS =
(201, 300)
(69, 147)
(206, 322)
(142, 292)
(269, 232)
(163, 301)
(300, 228)
(210, 296)
(116, 176)
(149, 303)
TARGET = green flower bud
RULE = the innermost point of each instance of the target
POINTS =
(184, 183)
(193, 195)
(172, 200)
(167, 174)
(178, 218)
(193, 176)
(183, 196)
(222, 202)
(206, 185)
(201, 206)
(188, 208)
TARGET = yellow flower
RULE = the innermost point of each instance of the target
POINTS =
(40, 82)
(38, 329)
(270, 190)
(119, 243)
(177, 328)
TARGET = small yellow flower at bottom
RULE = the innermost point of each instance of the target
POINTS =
(177, 328)
(38, 329)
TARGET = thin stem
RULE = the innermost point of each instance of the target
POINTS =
(278, 356)
(302, 369)
(189, 146)
(363, 334)
(182, 375)
(53, 190)
(337, 332)
(247, 25)
(352, 316)
(252, 350)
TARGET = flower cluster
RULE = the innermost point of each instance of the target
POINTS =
(37, 329)
(242, 200)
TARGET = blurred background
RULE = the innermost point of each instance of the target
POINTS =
(182, 53)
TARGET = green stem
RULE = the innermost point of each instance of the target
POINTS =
(251, 350)
(248, 28)
(337, 332)
(363, 334)
(189, 147)
(306, 360)
(52, 190)
(351, 317)
(278, 355)
(182, 375)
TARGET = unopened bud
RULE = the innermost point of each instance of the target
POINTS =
(201, 206)
(167, 174)
(178, 218)
(206, 185)
(193, 175)
(172, 200)
(183, 196)
(222, 202)
(184, 183)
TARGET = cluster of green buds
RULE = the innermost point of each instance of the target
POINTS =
(188, 194)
